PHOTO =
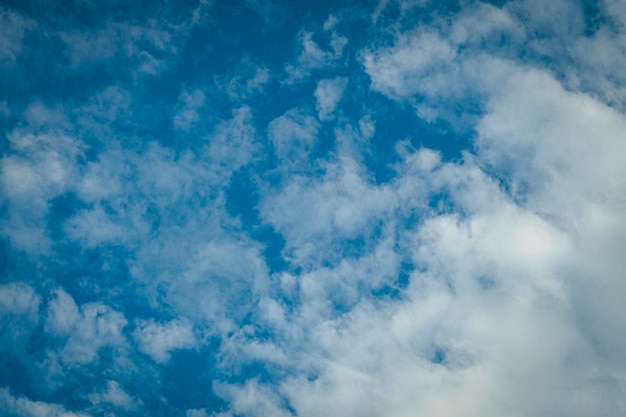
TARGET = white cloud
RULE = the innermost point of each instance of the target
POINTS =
(256, 83)
(120, 187)
(502, 315)
(404, 69)
(114, 395)
(233, 144)
(488, 288)
(145, 48)
(19, 299)
(313, 57)
(107, 106)
(85, 329)
(310, 212)
(24, 407)
(19, 314)
(221, 283)
(94, 227)
(187, 114)
(243, 346)
(616, 10)
(63, 313)
(513, 304)
(38, 167)
(564, 146)
(328, 94)
(483, 25)
(159, 340)
(4, 109)
(562, 154)
(12, 30)
(103, 179)
(196, 412)
(293, 135)
(248, 79)
(252, 399)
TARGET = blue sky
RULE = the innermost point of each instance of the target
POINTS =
(266, 208)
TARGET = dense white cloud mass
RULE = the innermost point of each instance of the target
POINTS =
(394, 208)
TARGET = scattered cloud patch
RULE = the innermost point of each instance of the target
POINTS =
(159, 340)
(328, 93)
(313, 57)
(187, 115)
(24, 407)
(84, 330)
(115, 396)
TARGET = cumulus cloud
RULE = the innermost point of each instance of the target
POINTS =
(339, 205)
(115, 396)
(196, 412)
(328, 93)
(159, 340)
(233, 144)
(491, 279)
(253, 399)
(294, 136)
(24, 407)
(403, 70)
(83, 329)
(19, 314)
(39, 167)
(19, 299)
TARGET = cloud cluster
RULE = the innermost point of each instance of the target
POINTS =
(203, 230)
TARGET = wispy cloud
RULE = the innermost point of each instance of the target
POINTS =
(328, 93)
(313, 57)
(23, 407)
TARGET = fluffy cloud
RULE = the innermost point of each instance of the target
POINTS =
(115, 396)
(493, 280)
(159, 340)
(40, 166)
(311, 212)
(19, 314)
(293, 136)
(328, 93)
(404, 70)
(19, 299)
(23, 407)
(85, 329)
